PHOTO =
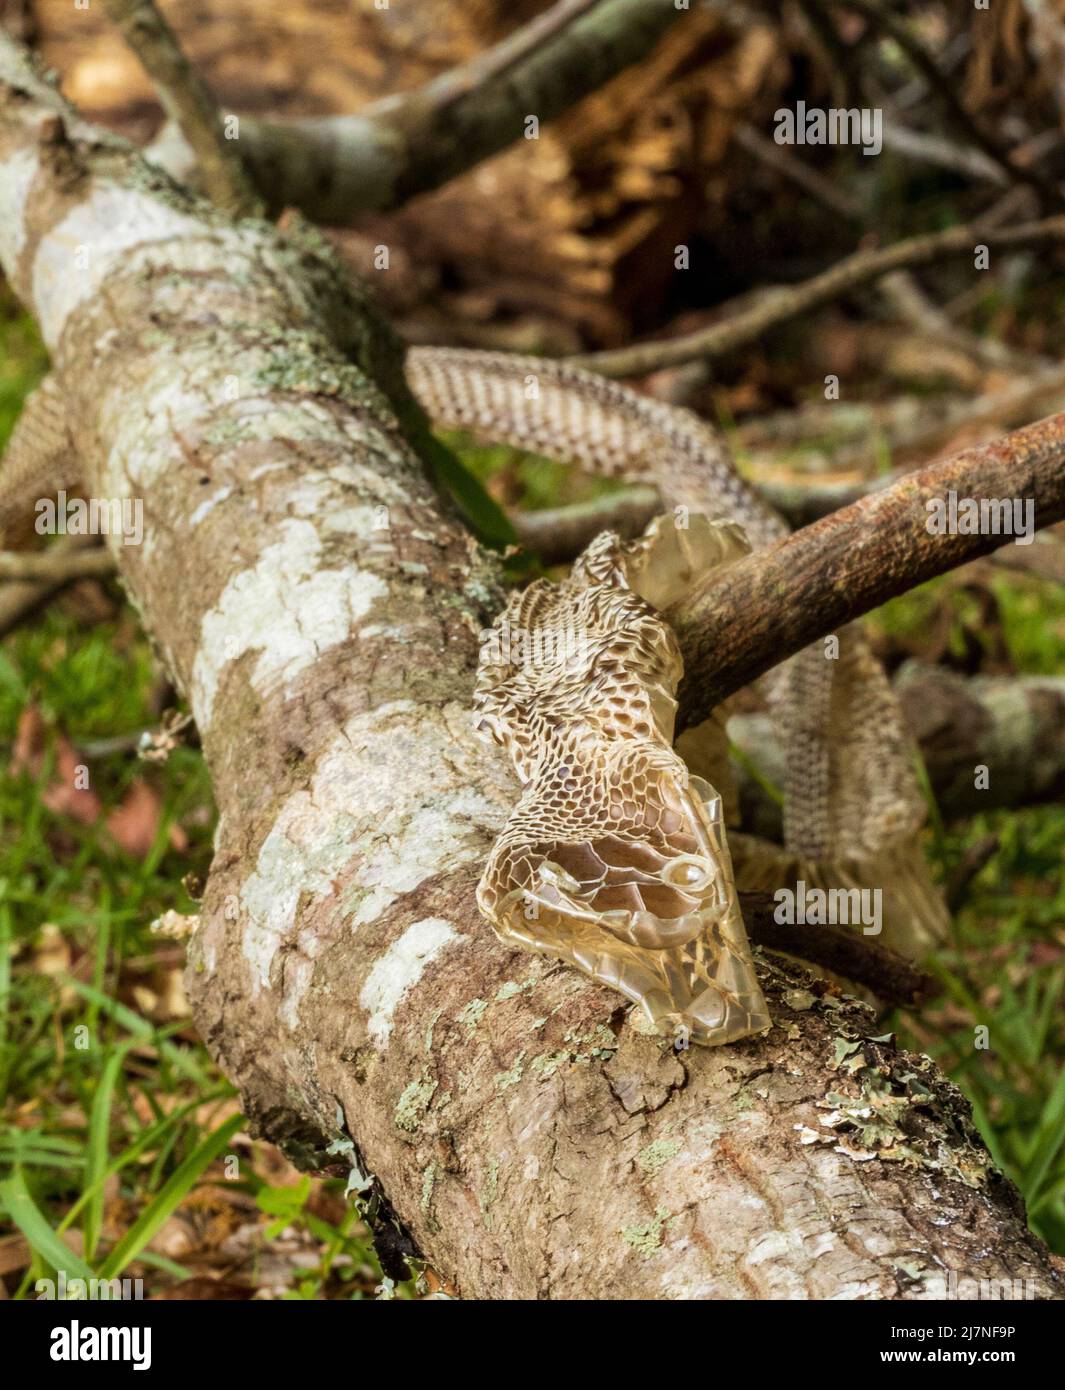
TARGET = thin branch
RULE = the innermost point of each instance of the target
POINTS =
(508, 54)
(188, 101)
(17, 601)
(749, 323)
(807, 502)
(21, 597)
(55, 566)
(559, 534)
(781, 599)
(778, 157)
(902, 291)
(895, 980)
(969, 124)
(934, 149)
(335, 168)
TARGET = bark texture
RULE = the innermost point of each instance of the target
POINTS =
(779, 600)
(336, 167)
(307, 591)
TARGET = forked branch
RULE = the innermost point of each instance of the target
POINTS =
(187, 100)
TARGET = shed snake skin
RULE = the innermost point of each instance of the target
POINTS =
(615, 857)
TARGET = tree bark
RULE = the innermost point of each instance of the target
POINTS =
(307, 591)
(780, 599)
(336, 167)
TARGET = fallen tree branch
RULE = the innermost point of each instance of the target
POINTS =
(559, 534)
(531, 1139)
(21, 597)
(187, 100)
(748, 323)
(55, 566)
(335, 168)
(805, 503)
(1014, 726)
(510, 52)
(779, 600)
(839, 949)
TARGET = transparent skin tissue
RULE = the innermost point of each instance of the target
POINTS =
(615, 858)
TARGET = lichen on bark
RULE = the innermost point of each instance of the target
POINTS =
(355, 807)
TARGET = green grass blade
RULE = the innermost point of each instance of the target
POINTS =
(1049, 1141)
(183, 1062)
(486, 517)
(42, 1239)
(5, 962)
(147, 1137)
(176, 1188)
(97, 1148)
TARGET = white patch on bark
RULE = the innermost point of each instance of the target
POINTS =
(399, 970)
(107, 225)
(363, 803)
(285, 607)
(443, 822)
(143, 446)
(16, 178)
(208, 505)
(311, 842)
(298, 972)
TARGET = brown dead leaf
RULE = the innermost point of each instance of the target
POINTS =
(14, 1254)
(135, 823)
(69, 794)
(28, 747)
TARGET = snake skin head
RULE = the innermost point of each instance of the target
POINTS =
(614, 858)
